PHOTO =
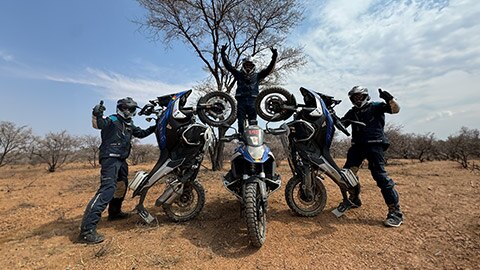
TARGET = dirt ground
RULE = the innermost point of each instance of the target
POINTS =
(41, 212)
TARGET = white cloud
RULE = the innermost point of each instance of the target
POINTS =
(436, 115)
(115, 85)
(425, 52)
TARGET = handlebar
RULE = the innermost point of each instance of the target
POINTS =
(146, 110)
(357, 123)
(338, 124)
(276, 131)
(229, 138)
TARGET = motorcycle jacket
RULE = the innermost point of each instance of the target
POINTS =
(372, 115)
(248, 84)
(117, 134)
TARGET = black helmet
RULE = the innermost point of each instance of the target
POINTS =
(359, 96)
(126, 108)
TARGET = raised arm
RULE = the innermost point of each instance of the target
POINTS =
(393, 106)
(142, 133)
(227, 63)
(264, 73)
(98, 121)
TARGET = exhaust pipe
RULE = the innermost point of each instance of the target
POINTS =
(174, 190)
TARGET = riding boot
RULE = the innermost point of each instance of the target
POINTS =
(115, 210)
(394, 216)
(90, 237)
(354, 196)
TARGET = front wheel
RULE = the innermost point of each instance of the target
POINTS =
(188, 205)
(270, 104)
(300, 203)
(255, 215)
(217, 109)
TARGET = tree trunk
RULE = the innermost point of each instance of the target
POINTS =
(217, 157)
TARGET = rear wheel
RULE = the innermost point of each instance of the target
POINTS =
(271, 101)
(255, 215)
(188, 205)
(300, 203)
(217, 109)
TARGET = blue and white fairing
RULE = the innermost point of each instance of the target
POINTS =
(172, 109)
(254, 151)
(313, 99)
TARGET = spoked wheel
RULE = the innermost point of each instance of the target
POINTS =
(300, 203)
(271, 101)
(217, 109)
(188, 205)
(255, 215)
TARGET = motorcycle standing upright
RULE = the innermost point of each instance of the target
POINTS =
(253, 177)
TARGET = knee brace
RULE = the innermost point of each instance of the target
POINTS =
(120, 190)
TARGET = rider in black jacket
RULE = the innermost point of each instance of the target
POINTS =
(116, 131)
(247, 85)
(369, 142)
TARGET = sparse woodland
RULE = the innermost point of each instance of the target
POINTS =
(19, 146)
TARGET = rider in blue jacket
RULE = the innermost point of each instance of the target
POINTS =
(369, 142)
(116, 132)
(248, 81)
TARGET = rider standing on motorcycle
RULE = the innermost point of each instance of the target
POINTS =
(369, 142)
(116, 131)
(247, 85)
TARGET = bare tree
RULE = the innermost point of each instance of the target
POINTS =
(247, 26)
(463, 147)
(141, 153)
(424, 147)
(399, 142)
(55, 149)
(90, 149)
(13, 140)
(340, 147)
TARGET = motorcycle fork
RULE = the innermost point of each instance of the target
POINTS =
(307, 183)
(262, 187)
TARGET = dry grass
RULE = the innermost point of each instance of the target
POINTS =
(41, 212)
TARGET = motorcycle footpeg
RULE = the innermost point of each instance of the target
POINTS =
(145, 215)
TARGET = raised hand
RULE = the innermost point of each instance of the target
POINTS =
(385, 95)
(99, 109)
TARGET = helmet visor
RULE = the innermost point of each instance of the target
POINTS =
(127, 108)
(248, 66)
(358, 98)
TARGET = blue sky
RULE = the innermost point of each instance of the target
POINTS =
(59, 58)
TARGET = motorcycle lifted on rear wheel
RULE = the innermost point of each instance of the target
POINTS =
(183, 143)
(308, 147)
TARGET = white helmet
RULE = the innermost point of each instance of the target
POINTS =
(359, 96)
